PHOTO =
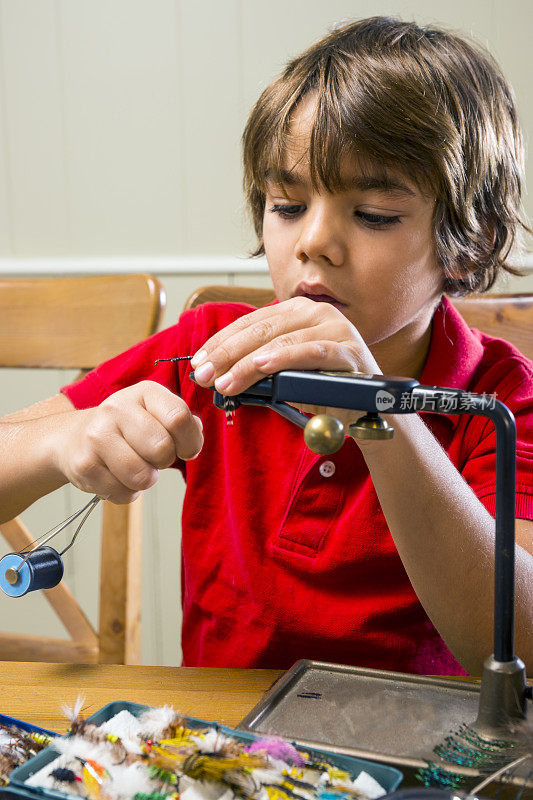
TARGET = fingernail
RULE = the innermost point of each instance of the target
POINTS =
(201, 424)
(224, 381)
(262, 358)
(205, 372)
(198, 357)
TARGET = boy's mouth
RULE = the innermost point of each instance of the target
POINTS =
(318, 293)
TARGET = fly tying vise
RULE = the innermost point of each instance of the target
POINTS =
(503, 695)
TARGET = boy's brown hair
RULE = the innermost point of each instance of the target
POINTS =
(420, 101)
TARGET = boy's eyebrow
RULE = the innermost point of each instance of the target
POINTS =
(363, 183)
(381, 184)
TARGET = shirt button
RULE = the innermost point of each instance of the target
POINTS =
(327, 469)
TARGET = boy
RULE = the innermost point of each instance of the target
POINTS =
(382, 169)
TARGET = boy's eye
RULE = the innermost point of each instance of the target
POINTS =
(293, 210)
(376, 220)
(287, 211)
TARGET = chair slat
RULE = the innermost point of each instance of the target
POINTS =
(78, 323)
(120, 585)
(18, 647)
(507, 316)
(230, 294)
(75, 322)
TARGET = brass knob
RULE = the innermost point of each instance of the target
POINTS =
(324, 434)
(371, 426)
(12, 576)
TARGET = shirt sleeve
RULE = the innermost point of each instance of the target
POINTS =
(134, 365)
(479, 469)
(138, 363)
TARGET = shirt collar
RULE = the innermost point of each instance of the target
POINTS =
(455, 352)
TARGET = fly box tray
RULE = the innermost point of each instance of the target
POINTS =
(389, 777)
(392, 717)
(24, 726)
(12, 793)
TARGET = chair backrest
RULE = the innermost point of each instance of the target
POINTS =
(507, 316)
(77, 323)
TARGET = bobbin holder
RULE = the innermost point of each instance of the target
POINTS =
(503, 689)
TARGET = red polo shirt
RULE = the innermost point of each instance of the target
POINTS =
(287, 554)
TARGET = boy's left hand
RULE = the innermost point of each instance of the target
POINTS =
(293, 334)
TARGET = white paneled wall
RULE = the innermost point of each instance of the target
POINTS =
(120, 125)
(120, 120)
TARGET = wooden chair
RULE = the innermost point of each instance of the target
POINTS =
(507, 316)
(77, 323)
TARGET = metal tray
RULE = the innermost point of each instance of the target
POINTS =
(389, 777)
(372, 714)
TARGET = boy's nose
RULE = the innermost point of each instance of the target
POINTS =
(319, 239)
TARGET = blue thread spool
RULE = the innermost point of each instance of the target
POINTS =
(42, 570)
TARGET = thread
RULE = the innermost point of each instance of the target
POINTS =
(43, 569)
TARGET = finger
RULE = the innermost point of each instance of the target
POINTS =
(240, 324)
(310, 354)
(305, 353)
(91, 474)
(148, 437)
(174, 415)
(131, 470)
(249, 333)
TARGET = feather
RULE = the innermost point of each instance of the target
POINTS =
(214, 742)
(157, 757)
(72, 712)
(277, 748)
(94, 776)
(131, 779)
(160, 723)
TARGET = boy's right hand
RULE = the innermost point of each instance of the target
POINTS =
(116, 449)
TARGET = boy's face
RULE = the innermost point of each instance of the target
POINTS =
(369, 251)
